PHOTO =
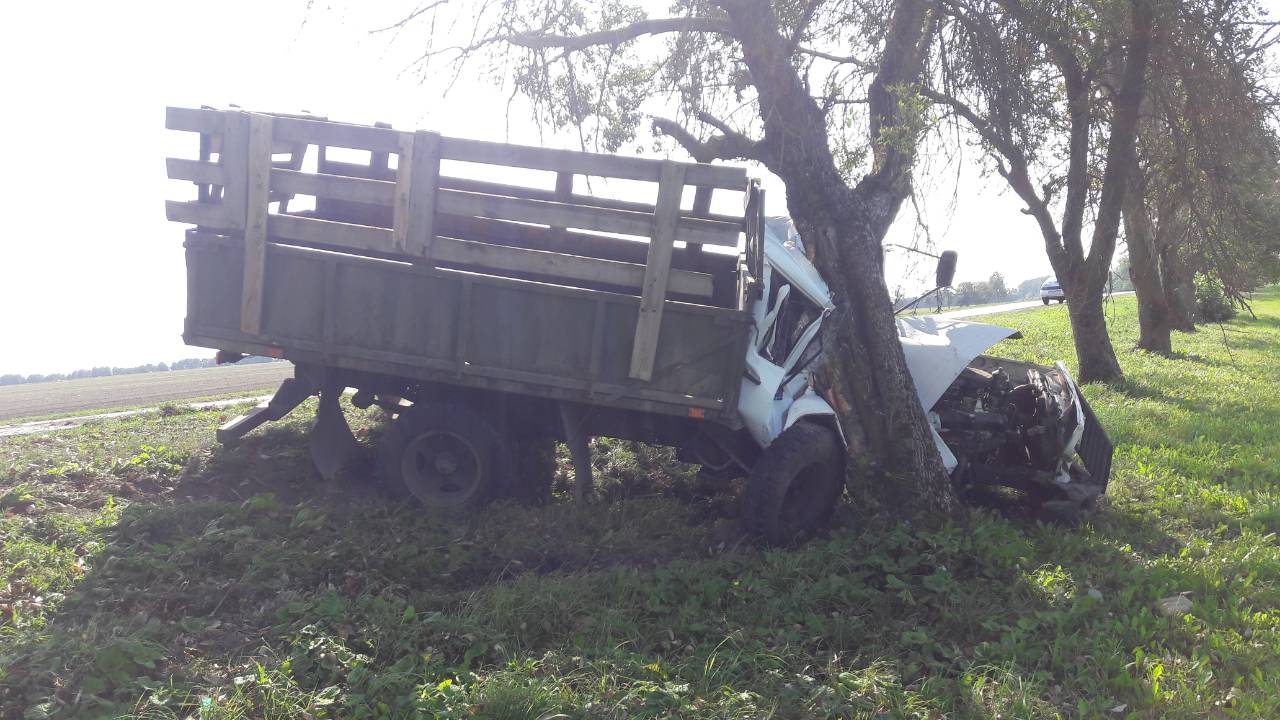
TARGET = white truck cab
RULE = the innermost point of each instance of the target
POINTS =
(994, 422)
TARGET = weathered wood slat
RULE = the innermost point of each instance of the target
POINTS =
(193, 120)
(403, 195)
(258, 193)
(357, 137)
(622, 222)
(554, 264)
(586, 163)
(424, 166)
(197, 213)
(382, 192)
(563, 194)
(653, 293)
(338, 187)
(492, 188)
(195, 171)
(235, 163)
(326, 232)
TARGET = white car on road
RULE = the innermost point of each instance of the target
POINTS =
(1051, 290)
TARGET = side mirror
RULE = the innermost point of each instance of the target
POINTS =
(947, 268)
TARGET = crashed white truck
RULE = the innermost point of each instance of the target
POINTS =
(492, 319)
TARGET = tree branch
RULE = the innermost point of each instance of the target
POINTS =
(1012, 165)
(839, 59)
(729, 145)
(615, 36)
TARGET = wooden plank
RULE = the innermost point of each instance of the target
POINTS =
(235, 164)
(425, 169)
(312, 231)
(542, 212)
(195, 171)
(554, 264)
(701, 207)
(324, 132)
(337, 187)
(653, 295)
(563, 194)
(258, 194)
(196, 213)
(193, 120)
(585, 163)
(404, 190)
(492, 188)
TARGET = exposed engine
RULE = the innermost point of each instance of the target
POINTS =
(1016, 425)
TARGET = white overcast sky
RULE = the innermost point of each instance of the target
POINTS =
(90, 271)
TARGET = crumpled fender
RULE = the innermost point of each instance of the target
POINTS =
(938, 350)
(811, 404)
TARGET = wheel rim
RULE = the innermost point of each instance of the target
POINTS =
(804, 503)
(441, 468)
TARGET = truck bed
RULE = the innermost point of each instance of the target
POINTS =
(391, 267)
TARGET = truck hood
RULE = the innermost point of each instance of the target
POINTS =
(938, 350)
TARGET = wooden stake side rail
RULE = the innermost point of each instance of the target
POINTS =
(236, 193)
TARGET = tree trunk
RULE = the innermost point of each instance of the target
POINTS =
(1144, 269)
(1180, 289)
(892, 464)
(1094, 351)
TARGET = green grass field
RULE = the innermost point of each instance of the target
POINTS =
(147, 573)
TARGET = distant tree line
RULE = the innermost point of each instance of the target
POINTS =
(105, 371)
(995, 290)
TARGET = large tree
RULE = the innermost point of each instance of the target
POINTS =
(1203, 189)
(823, 93)
(1052, 89)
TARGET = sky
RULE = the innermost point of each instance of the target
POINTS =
(92, 274)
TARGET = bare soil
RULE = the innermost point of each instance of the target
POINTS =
(102, 393)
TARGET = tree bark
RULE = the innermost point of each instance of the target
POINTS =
(1180, 288)
(1154, 329)
(1094, 351)
(1086, 276)
(892, 464)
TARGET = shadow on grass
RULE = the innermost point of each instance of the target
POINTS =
(1140, 388)
(263, 584)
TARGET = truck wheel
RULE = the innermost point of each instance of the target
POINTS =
(1044, 300)
(533, 468)
(446, 455)
(795, 484)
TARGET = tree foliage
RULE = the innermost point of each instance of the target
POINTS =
(1209, 156)
(1051, 91)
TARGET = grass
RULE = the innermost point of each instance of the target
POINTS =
(147, 574)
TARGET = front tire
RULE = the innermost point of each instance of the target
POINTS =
(449, 457)
(1045, 301)
(795, 484)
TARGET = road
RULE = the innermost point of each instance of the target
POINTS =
(122, 391)
(1006, 307)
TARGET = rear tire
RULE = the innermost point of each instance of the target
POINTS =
(795, 484)
(1044, 300)
(449, 457)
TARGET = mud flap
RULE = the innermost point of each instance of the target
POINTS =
(290, 395)
(331, 440)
